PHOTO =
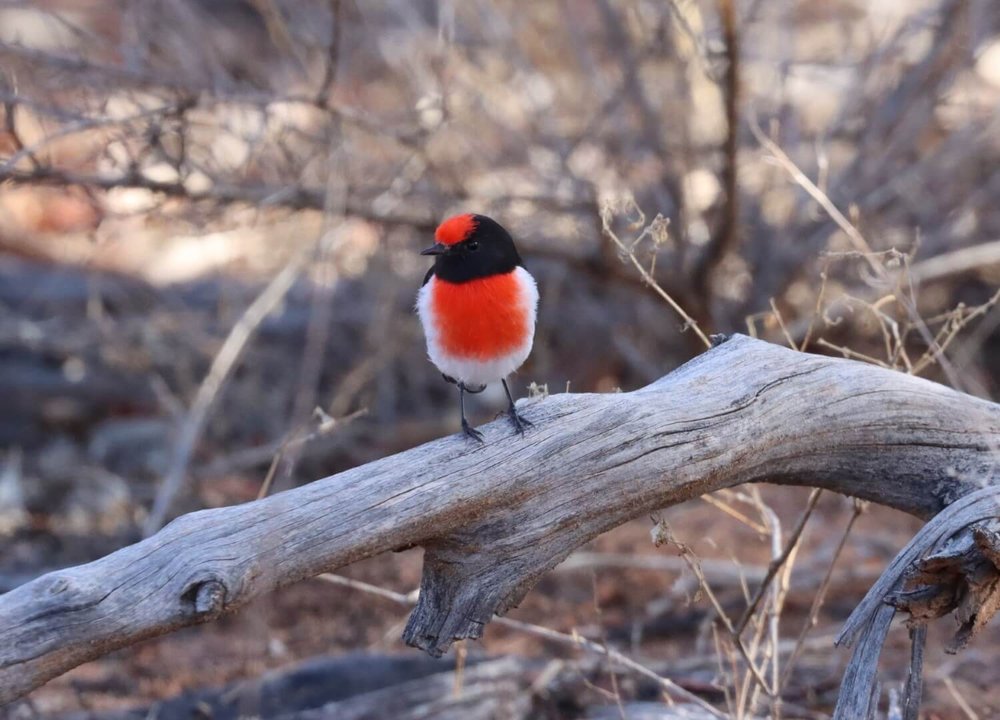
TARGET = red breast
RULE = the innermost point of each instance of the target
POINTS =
(480, 319)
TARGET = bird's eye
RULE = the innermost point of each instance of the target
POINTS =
(474, 245)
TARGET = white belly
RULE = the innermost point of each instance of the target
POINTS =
(471, 370)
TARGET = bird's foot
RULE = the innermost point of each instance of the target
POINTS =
(474, 392)
(471, 431)
(519, 421)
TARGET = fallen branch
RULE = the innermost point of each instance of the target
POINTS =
(494, 518)
(963, 576)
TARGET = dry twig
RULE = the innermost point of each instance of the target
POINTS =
(192, 424)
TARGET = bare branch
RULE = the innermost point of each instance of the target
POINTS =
(225, 360)
(726, 237)
(293, 197)
(778, 562)
(494, 518)
(658, 225)
(953, 563)
(957, 262)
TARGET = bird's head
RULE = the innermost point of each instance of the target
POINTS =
(472, 246)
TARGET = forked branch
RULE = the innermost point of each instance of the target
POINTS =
(494, 518)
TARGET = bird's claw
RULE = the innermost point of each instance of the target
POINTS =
(471, 431)
(519, 421)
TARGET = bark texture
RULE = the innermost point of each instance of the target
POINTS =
(493, 518)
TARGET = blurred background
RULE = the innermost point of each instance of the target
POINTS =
(210, 213)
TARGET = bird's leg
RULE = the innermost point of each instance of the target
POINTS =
(519, 421)
(466, 428)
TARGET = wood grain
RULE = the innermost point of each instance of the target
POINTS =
(494, 518)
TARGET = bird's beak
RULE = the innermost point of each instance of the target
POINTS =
(438, 249)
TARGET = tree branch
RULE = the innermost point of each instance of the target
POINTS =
(952, 564)
(494, 518)
(727, 235)
(292, 197)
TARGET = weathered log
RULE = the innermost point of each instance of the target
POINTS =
(951, 565)
(494, 518)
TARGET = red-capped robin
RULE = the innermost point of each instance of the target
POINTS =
(477, 307)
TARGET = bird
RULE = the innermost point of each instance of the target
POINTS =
(477, 306)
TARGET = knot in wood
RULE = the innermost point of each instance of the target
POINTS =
(206, 598)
